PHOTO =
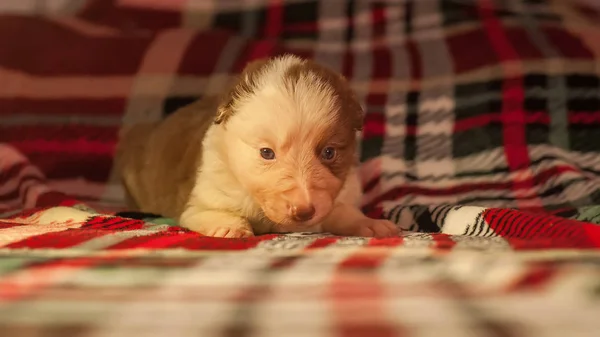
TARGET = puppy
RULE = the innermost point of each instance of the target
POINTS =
(275, 154)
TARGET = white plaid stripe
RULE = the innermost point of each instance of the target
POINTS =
(151, 86)
(331, 14)
(155, 76)
(434, 143)
(395, 111)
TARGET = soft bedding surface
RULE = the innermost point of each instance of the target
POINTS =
(481, 140)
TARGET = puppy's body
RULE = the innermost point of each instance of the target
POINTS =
(276, 154)
(158, 161)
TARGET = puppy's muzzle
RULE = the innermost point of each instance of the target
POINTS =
(302, 212)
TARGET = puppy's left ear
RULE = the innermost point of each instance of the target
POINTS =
(359, 112)
(352, 106)
(224, 111)
(244, 84)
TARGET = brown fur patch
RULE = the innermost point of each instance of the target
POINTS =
(349, 116)
(350, 112)
(344, 160)
(244, 84)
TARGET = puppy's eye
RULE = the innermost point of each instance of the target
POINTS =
(328, 153)
(267, 153)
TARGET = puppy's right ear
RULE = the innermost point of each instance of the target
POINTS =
(245, 84)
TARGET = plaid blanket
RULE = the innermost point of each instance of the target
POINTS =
(480, 141)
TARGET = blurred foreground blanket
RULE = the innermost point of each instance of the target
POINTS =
(66, 270)
(481, 139)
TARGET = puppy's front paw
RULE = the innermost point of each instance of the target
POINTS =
(216, 223)
(229, 232)
(378, 228)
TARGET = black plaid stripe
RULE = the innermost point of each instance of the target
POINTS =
(455, 12)
(299, 18)
(485, 98)
(174, 103)
(412, 116)
(465, 11)
(476, 98)
(477, 140)
(584, 97)
(247, 22)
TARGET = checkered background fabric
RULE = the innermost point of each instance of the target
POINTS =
(480, 140)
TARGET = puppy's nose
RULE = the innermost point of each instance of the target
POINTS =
(302, 212)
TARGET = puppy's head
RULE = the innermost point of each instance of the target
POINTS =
(289, 129)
